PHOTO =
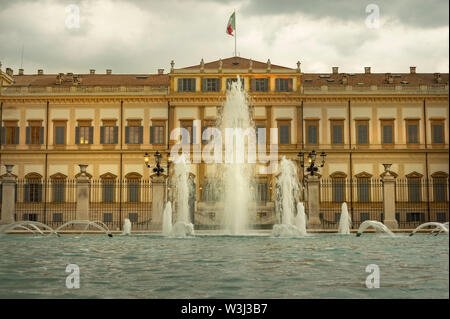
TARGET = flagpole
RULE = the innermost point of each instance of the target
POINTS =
(235, 33)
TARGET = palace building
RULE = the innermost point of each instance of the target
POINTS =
(51, 123)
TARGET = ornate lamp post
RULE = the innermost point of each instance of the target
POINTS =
(311, 166)
(158, 169)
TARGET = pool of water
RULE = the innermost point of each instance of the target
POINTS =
(207, 266)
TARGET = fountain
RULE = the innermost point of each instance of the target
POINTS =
(378, 226)
(183, 225)
(126, 227)
(88, 223)
(167, 219)
(288, 193)
(300, 219)
(236, 172)
(345, 221)
(24, 225)
(440, 226)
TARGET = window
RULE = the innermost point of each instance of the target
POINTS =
(208, 131)
(260, 85)
(84, 133)
(312, 132)
(107, 217)
(108, 191)
(363, 189)
(283, 85)
(157, 132)
(32, 189)
(338, 183)
(58, 188)
(337, 132)
(35, 133)
(412, 131)
(364, 216)
(284, 131)
(441, 217)
(260, 131)
(261, 192)
(440, 180)
(133, 217)
(133, 187)
(387, 132)
(134, 132)
(57, 217)
(10, 133)
(415, 217)
(230, 81)
(30, 217)
(414, 188)
(109, 132)
(186, 85)
(59, 131)
(362, 132)
(211, 85)
(437, 131)
(188, 134)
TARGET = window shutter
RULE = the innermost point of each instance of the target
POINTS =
(194, 82)
(204, 140)
(290, 85)
(204, 85)
(39, 188)
(77, 135)
(412, 134)
(116, 134)
(127, 134)
(337, 134)
(266, 85)
(60, 138)
(438, 134)
(312, 134)
(41, 135)
(3, 135)
(218, 86)
(91, 135)
(277, 85)
(362, 134)
(284, 134)
(28, 135)
(17, 132)
(102, 135)
(253, 85)
(26, 193)
(180, 85)
(141, 134)
(152, 135)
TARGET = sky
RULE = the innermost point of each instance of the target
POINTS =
(141, 36)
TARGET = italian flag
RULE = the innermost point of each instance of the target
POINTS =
(231, 26)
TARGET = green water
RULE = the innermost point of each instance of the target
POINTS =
(151, 266)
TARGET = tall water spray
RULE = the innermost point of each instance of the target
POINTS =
(300, 219)
(167, 219)
(126, 227)
(345, 221)
(289, 190)
(236, 174)
(182, 188)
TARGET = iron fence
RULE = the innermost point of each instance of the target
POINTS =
(364, 198)
(421, 200)
(52, 201)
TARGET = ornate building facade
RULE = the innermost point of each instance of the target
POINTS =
(53, 122)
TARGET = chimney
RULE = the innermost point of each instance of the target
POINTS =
(9, 71)
(335, 69)
(367, 69)
(40, 72)
(160, 71)
(20, 71)
(437, 78)
(91, 71)
(344, 79)
(59, 78)
(108, 71)
(388, 78)
(412, 69)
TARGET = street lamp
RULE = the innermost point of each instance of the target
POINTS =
(158, 169)
(311, 166)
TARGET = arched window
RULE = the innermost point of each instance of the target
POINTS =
(338, 182)
(414, 187)
(133, 181)
(32, 192)
(108, 187)
(440, 186)
(363, 187)
(58, 187)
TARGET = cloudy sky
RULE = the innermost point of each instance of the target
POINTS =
(140, 36)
